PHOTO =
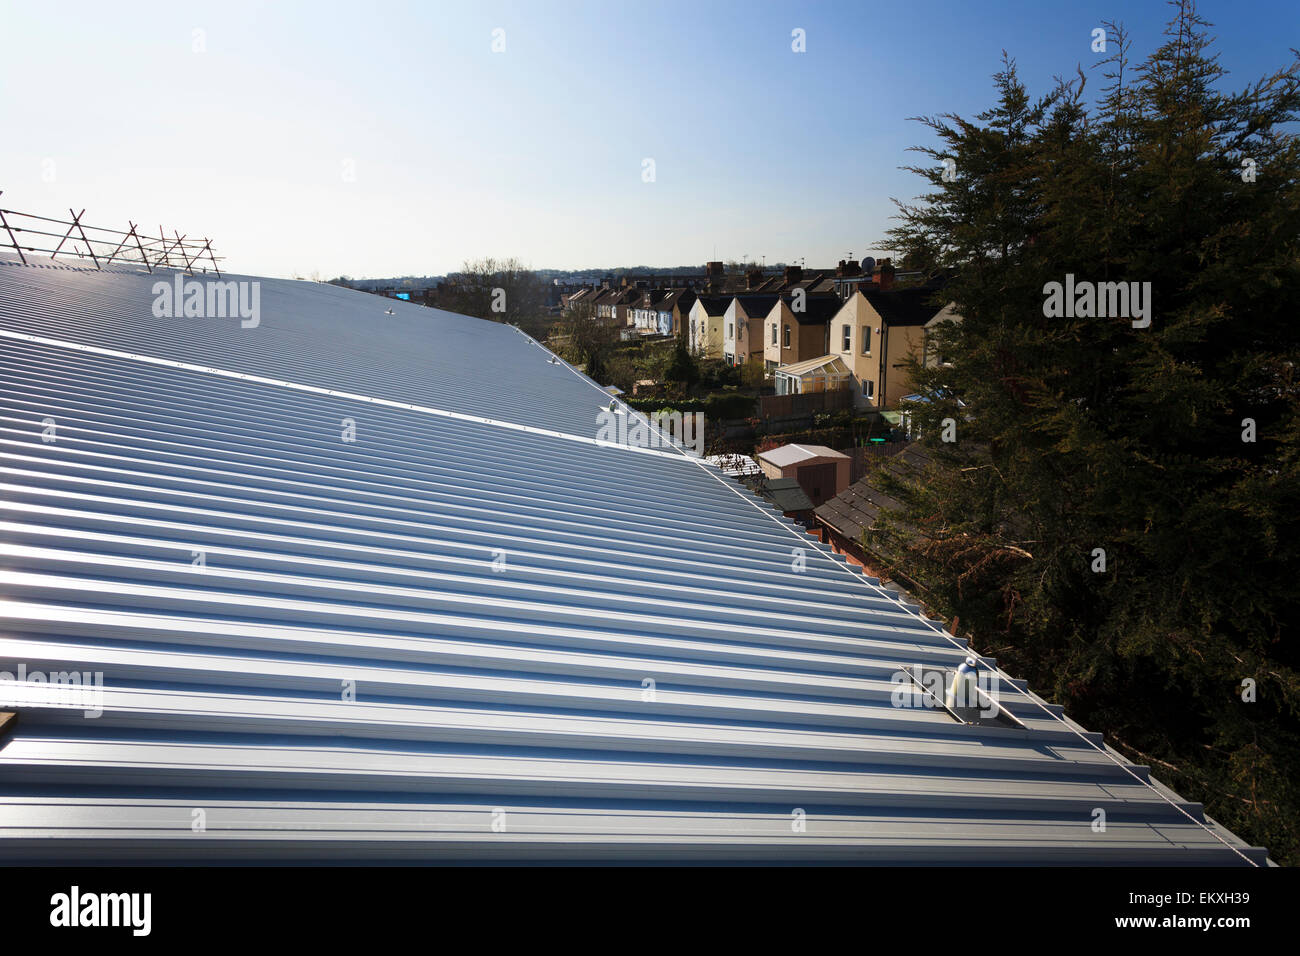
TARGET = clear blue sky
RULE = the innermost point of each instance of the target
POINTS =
(459, 152)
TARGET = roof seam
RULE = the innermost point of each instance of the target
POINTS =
(334, 393)
(884, 592)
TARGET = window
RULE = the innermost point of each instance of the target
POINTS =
(787, 336)
(731, 331)
(868, 388)
(866, 340)
(774, 333)
(848, 339)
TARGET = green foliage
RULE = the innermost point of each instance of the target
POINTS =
(683, 369)
(586, 340)
(715, 373)
(620, 369)
(1077, 434)
(718, 407)
(753, 374)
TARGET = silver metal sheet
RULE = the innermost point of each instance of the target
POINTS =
(626, 653)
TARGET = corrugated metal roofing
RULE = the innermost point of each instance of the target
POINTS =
(560, 650)
(786, 494)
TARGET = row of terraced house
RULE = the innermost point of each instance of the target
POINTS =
(850, 327)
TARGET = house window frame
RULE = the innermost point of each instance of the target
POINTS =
(846, 338)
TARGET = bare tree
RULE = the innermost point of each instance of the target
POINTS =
(502, 290)
(585, 340)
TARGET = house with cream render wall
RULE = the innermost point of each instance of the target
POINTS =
(791, 337)
(706, 325)
(876, 331)
(675, 310)
(742, 337)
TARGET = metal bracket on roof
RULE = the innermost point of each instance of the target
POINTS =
(989, 712)
(12, 239)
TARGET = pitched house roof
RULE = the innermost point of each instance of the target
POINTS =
(680, 299)
(714, 304)
(899, 307)
(757, 304)
(364, 586)
(859, 506)
(817, 310)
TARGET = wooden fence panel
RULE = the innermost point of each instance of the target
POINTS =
(810, 403)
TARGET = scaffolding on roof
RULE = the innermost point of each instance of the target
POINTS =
(28, 233)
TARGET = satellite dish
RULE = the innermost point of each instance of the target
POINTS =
(868, 264)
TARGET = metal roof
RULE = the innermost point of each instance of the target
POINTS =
(787, 494)
(559, 649)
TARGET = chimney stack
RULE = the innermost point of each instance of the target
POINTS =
(715, 275)
(793, 274)
(753, 277)
(886, 278)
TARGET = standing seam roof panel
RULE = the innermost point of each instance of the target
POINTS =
(557, 650)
